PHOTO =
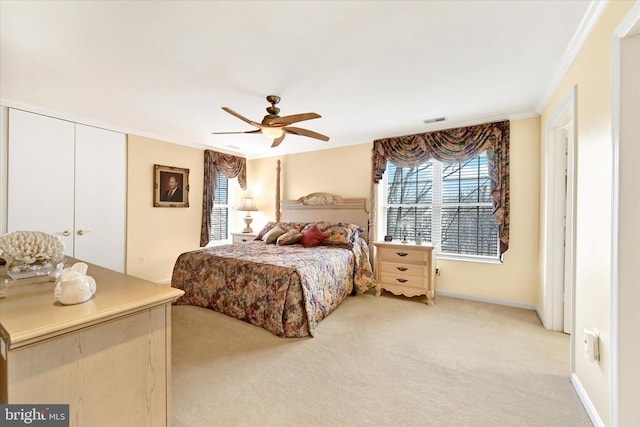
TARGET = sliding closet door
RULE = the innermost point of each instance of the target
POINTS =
(41, 175)
(101, 188)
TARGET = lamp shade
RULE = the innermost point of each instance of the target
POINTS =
(247, 205)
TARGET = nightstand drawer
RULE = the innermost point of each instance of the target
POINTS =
(243, 237)
(403, 269)
(419, 282)
(401, 255)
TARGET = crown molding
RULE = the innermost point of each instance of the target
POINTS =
(584, 29)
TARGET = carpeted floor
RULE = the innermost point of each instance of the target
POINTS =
(388, 361)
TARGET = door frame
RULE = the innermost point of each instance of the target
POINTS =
(559, 237)
(625, 349)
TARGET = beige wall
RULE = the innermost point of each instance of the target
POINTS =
(347, 172)
(591, 72)
(343, 171)
(516, 280)
(156, 236)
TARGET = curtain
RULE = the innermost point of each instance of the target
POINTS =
(455, 145)
(214, 163)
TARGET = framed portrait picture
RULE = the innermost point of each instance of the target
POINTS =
(170, 187)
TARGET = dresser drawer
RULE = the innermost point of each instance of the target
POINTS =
(404, 280)
(403, 269)
(401, 255)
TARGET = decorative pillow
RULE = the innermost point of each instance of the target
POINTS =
(286, 226)
(338, 233)
(272, 235)
(312, 237)
(268, 226)
(289, 226)
(289, 238)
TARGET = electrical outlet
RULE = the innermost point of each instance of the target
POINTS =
(592, 345)
(141, 259)
(437, 271)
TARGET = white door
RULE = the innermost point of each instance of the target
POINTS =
(69, 180)
(40, 194)
(100, 208)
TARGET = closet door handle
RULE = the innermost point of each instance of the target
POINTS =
(83, 232)
(65, 233)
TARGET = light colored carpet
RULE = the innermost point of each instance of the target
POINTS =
(388, 361)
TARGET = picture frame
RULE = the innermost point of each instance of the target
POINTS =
(170, 187)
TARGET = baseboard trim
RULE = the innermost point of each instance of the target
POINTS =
(541, 317)
(164, 282)
(586, 402)
(490, 300)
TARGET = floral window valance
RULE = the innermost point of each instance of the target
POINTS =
(214, 163)
(455, 145)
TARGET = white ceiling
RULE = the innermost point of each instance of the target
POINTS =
(372, 69)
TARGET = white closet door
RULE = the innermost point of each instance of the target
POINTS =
(41, 175)
(100, 197)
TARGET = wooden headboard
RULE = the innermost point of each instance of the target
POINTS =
(327, 207)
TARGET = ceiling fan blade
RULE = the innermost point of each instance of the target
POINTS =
(278, 140)
(241, 117)
(305, 132)
(294, 118)
(230, 133)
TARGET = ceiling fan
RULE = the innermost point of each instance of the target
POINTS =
(276, 127)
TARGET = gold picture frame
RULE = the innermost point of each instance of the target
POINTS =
(170, 187)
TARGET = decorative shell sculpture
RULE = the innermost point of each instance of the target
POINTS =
(30, 250)
(73, 286)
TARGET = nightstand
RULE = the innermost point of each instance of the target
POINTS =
(406, 269)
(243, 237)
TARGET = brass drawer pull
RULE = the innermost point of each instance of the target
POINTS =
(402, 280)
(402, 268)
(402, 253)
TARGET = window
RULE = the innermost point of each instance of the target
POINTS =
(220, 212)
(450, 204)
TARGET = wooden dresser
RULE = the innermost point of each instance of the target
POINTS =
(109, 358)
(406, 269)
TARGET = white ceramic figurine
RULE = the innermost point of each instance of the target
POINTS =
(73, 286)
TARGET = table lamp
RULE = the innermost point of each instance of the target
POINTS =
(248, 206)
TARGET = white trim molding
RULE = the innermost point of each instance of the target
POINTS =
(586, 402)
(623, 322)
(584, 29)
(559, 215)
(489, 300)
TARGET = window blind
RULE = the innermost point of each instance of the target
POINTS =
(220, 211)
(448, 203)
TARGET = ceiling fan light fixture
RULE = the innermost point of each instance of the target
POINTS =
(274, 127)
(272, 133)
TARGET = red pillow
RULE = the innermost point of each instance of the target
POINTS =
(312, 237)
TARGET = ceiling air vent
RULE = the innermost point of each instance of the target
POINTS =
(437, 119)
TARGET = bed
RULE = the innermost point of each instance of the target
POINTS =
(297, 271)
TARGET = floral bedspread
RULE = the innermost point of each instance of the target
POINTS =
(286, 290)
